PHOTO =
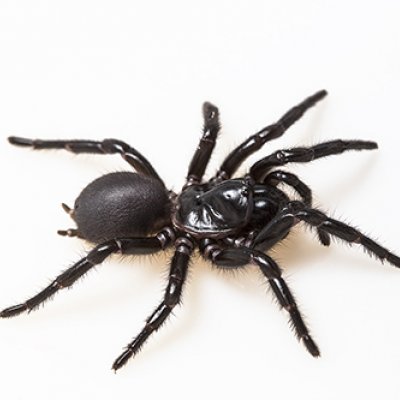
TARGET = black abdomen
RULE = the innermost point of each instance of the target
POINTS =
(121, 204)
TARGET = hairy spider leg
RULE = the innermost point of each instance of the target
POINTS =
(206, 146)
(292, 180)
(107, 146)
(261, 169)
(97, 255)
(239, 257)
(297, 211)
(172, 296)
(306, 154)
(233, 161)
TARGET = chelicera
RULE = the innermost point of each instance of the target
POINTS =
(232, 222)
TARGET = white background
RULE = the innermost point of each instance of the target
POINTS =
(139, 71)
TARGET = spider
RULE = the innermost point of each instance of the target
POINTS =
(232, 222)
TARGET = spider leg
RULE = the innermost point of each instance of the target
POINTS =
(297, 211)
(275, 177)
(107, 146)
(206, 146)
(306, 154)
(233, 161)
(96, 256)
(239, 257)
(343, 231)
(172, 296)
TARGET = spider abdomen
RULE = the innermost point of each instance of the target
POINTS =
(121, 204)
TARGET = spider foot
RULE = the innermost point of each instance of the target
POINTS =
(210, 113)
(19, 141)
(122, 359)
(13, 311)
(311, 346)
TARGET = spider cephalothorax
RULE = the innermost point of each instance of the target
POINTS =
(215, 211)
(232, 222)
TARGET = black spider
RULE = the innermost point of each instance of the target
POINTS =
(232, 222)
